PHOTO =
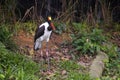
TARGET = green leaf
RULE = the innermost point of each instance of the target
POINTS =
(2, 76)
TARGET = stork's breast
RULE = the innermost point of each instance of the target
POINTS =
(47, 35)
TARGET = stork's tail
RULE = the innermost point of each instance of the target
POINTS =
(37, 45)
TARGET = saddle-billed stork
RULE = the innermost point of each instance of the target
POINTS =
(43, 32)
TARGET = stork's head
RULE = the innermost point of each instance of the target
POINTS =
(50, 22)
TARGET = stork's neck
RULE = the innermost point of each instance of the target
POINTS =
(51, 25)
(49, 22)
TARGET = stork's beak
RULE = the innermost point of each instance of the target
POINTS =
(52, 25)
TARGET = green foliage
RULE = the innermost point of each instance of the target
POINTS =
(80, 28)
(14, 66)
(5, 37)
(69, 65)
(5, 34)
(73, 71)
(117, 27)
(88, 41)
(91, 41)
(29, 27)
(77, 76)
(60, 28)
(106, 78)
(112, 50)
(112, 69)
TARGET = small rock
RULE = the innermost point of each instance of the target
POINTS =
(98, 65)
(64, 72)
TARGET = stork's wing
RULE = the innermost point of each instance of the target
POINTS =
(39, 32)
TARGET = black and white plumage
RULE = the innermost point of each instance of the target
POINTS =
(43, 32)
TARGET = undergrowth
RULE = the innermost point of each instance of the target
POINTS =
(14, 66)
(67, 70)
(87, 41)
(60, 28)
(28, 27)
(6, 37)
(112, 69)
(90, 41)
(74, 71)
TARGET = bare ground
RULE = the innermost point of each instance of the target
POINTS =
(57, 49)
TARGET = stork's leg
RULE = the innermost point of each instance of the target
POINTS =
(47, 54)
(42, 59)
(41, 53)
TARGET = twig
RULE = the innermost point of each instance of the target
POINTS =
(27, 12)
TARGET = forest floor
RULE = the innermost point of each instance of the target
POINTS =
(58, 50)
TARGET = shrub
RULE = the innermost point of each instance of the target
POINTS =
(79, 28)
(112, 69)
(60, 28)
(14, 66)
(88, 42)
(5, 37)
(29, 27)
